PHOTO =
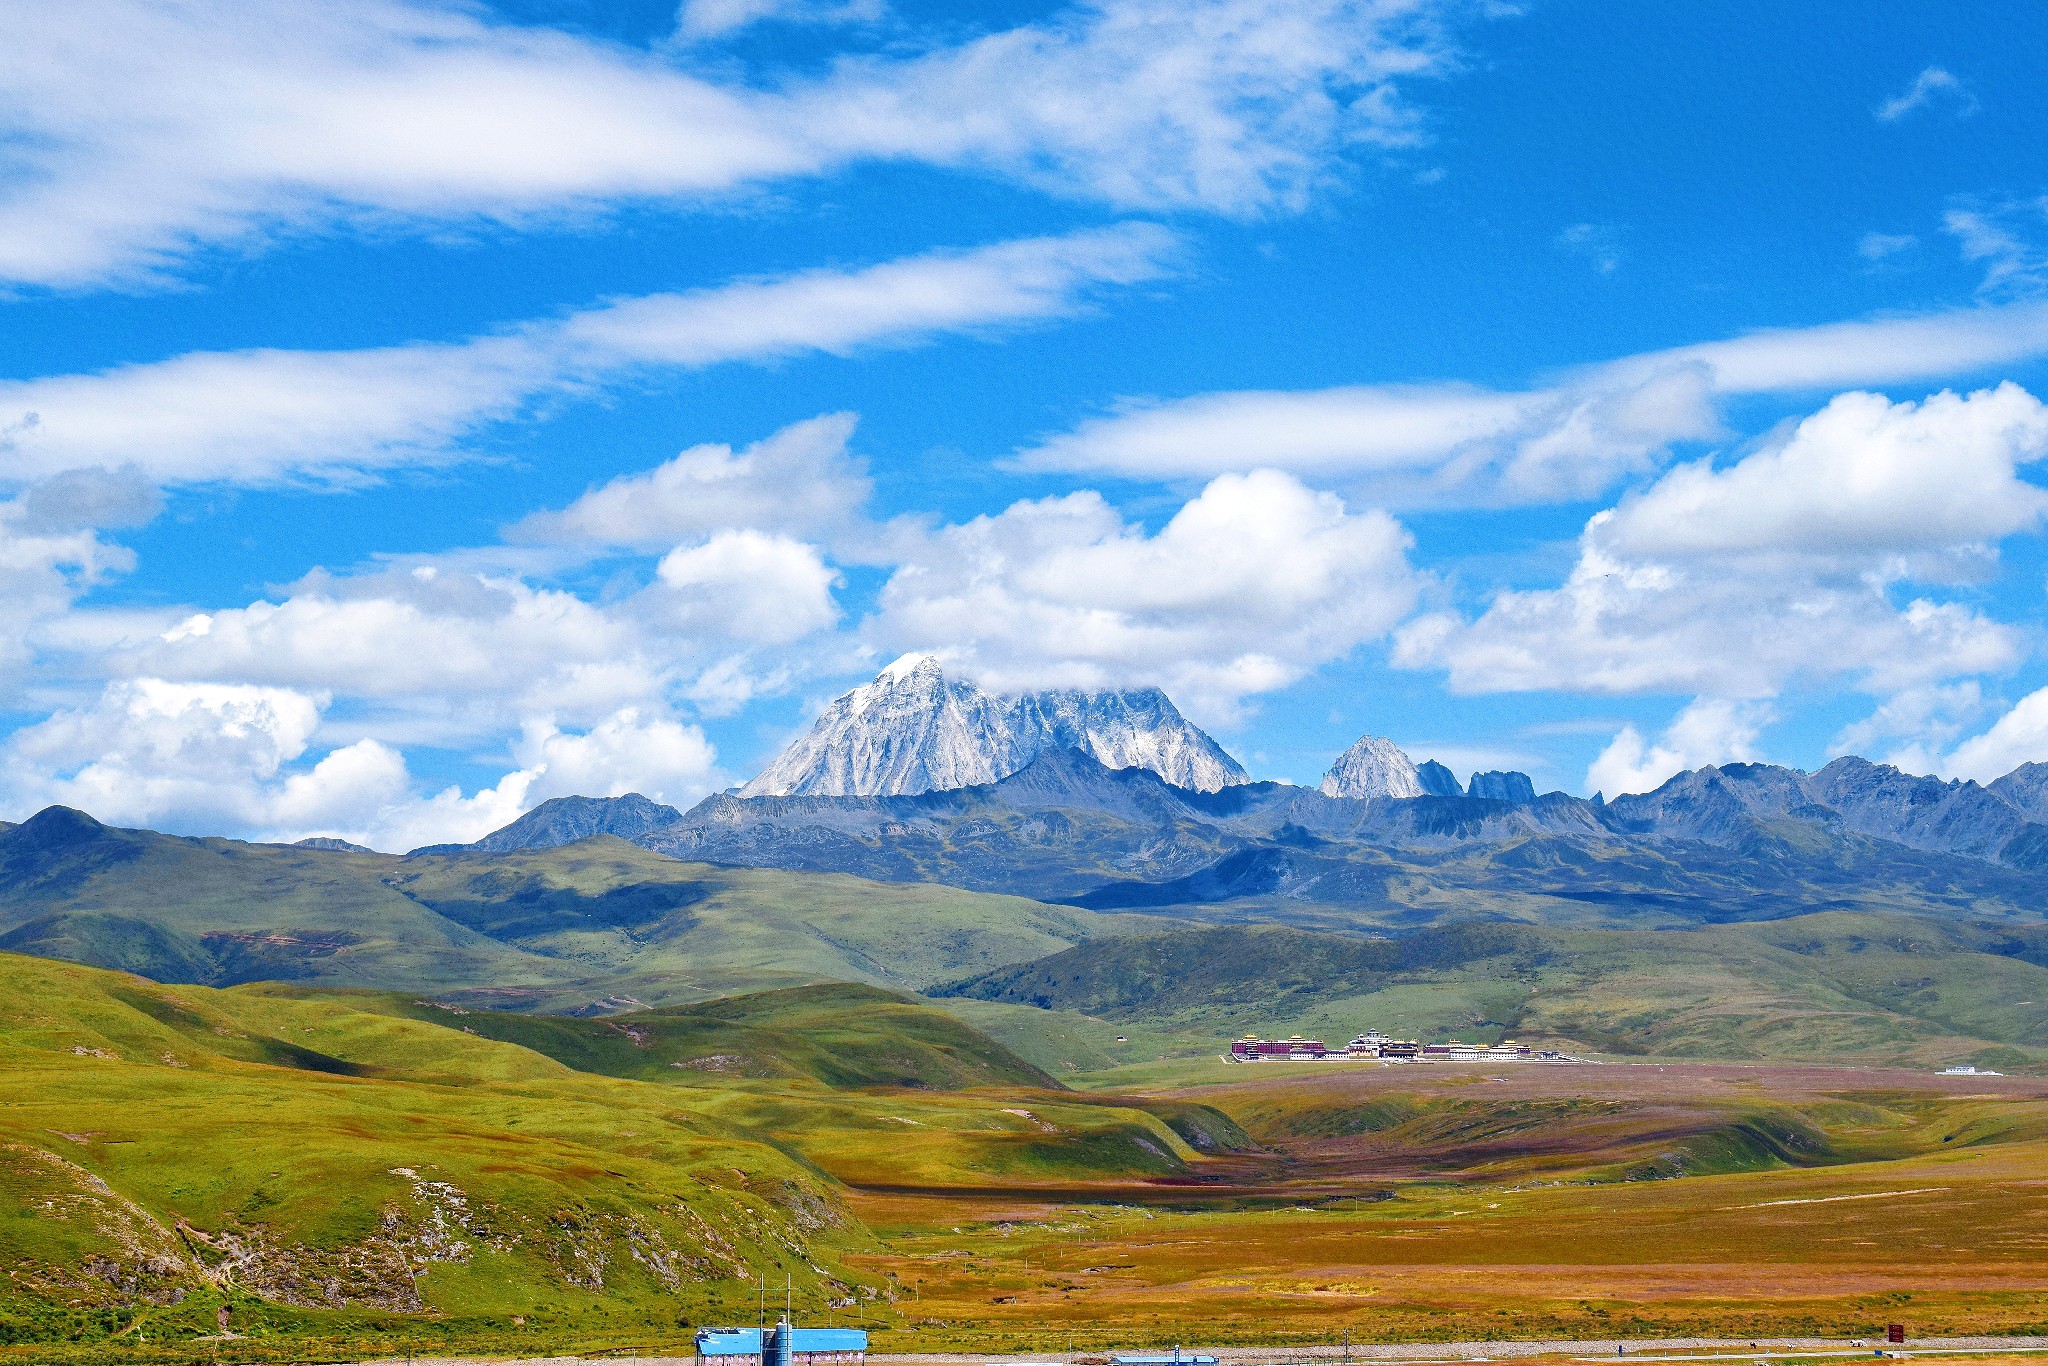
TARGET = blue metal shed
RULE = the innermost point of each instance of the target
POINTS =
(728, 1342)
(828, 1340)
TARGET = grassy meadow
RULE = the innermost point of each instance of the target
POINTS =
(356, 1173)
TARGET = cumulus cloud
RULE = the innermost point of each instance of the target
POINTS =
(138, 134)
(1458, 444)
(265, 416)
(295, 714)
(202, 757)
(1733, 582)
(150, 748)
(1248, 587)
(1933, 86)
(410, 633)
(749, 586)
(2018, 737)
(1862, 478)
(655, 756)
(1710, 730)
(801, 480)
(1911, 729)
(48, 561)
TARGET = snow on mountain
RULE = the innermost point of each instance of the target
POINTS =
(1372, 768)
(915, 730)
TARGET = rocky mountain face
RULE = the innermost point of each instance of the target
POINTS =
(1502, 787)
(1067, 829)
(1436, 780)
(564, 820)
(1738, 804)
(2025, 789)
(915, 730)
(1374, 767)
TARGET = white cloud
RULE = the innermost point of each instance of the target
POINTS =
(150, 748)
(295, 715)
(407, 634)
(1248, 587)
(628, 751)
(1734, 582)
(801, 480)
(1454, 443)
(748, 586)
(1996, 239)
(2018, 737)
(1881, 246)
(256, 417)
(699, 20)
(1618, 629)
(1710, 730)
(1863, 477)
(138, 134)
(1911, 729)
(203, 757)
(1932, 86)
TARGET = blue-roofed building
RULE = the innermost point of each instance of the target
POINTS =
(730, 1346)
(783, 1345)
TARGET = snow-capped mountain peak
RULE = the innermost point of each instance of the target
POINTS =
(1372, 767)
(906, 665)
(915, 730)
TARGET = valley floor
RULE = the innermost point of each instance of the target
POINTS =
(1534, 1203)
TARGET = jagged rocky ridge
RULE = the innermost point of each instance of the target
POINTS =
(1376, 767)
(915, 730)
(1737, 842)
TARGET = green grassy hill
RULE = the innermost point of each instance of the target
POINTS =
(1840, 985)
(835, 1034)
(553, 929)
(358, 1169)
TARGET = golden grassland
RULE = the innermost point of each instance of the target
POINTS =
(1526, 1202)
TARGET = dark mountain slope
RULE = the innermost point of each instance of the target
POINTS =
(565, 820)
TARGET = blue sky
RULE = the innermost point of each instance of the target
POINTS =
(410, 412)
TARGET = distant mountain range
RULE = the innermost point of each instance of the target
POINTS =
(583, 900)
(1734, 842)
(1115, 800)
(915, 730)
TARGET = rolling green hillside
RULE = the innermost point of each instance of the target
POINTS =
(1833, 985)
(836, 1034)
(358, 1170)
(601, 921)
